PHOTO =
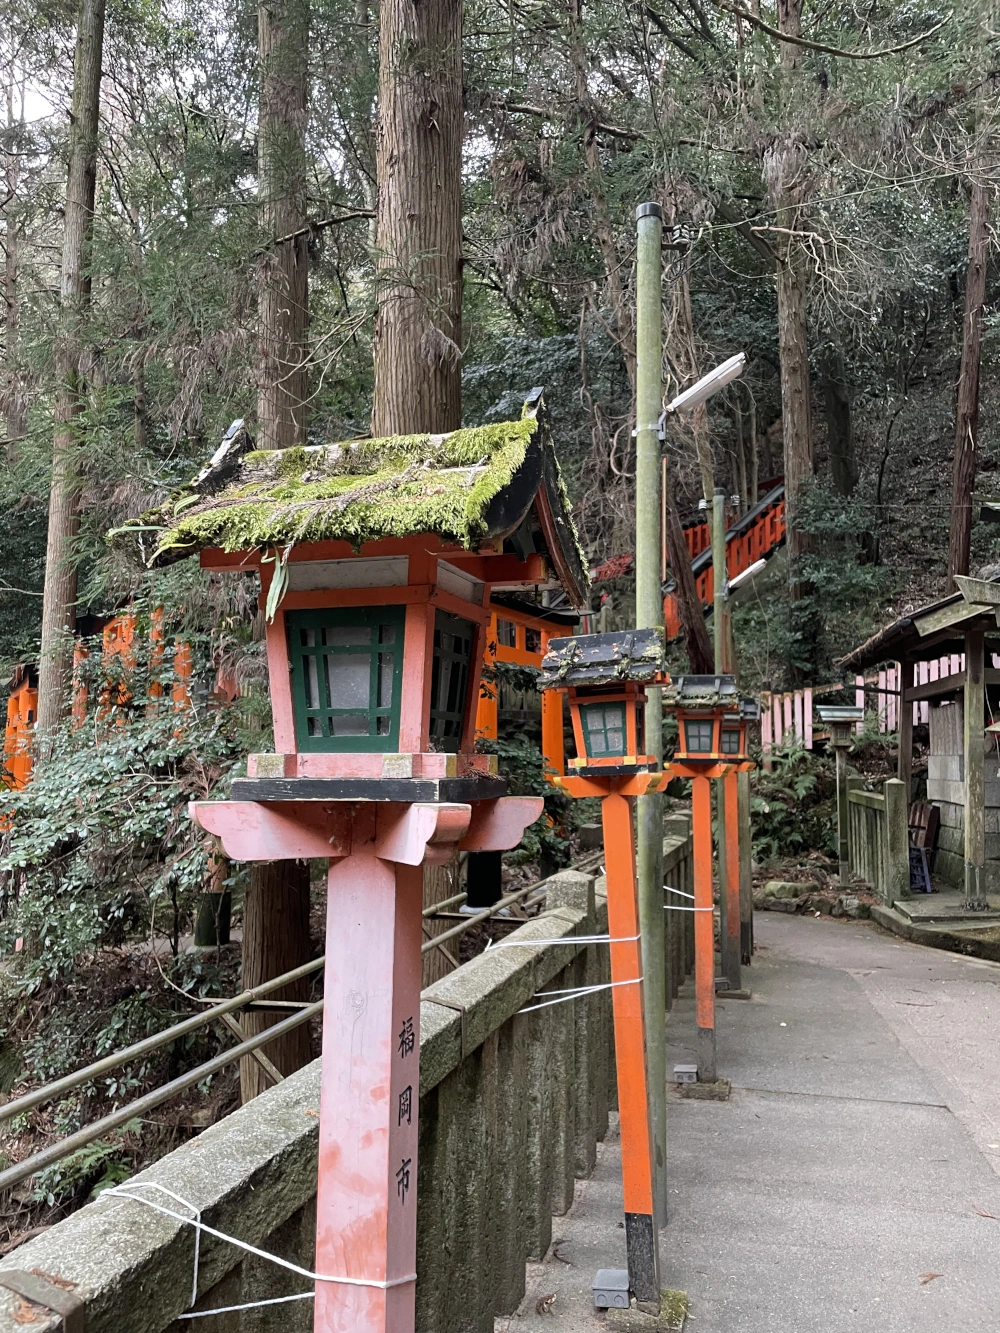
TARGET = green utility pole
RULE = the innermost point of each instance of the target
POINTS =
(730, 954)
(719, 576)
(649, 614)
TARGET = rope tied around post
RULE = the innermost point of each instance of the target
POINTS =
(126, 1191)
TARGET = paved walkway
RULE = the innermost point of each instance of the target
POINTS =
(859, 1152)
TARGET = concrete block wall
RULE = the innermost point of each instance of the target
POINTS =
(946, 790)
(510, 1116)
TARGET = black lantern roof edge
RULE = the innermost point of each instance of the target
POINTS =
(702, 692)
(604, 659)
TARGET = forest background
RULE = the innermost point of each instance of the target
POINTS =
(330, 218)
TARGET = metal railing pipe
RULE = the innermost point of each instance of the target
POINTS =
(52, 1091)
(57, 1151)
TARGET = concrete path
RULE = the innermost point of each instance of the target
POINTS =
(859, 1152)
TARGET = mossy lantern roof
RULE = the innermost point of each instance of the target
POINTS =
(496, 486)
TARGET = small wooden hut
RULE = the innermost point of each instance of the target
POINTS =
(963, 772)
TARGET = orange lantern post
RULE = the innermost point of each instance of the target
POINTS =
(712, 743)
(604, 677)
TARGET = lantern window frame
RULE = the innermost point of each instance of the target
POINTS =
(589, 708)
(333, 618)
(446, 724)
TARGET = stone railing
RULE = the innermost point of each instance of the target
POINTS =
(512, 1107)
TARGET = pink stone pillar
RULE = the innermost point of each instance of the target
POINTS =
(366, 1211)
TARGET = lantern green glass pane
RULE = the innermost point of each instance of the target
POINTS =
(699, 736)
(453, 643)
(347, 677)
(730, 740)
(603, 729)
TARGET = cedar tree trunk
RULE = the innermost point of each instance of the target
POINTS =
(275, 940)
(418, 320)
(604, 229)
(796, 424)
(787, 172)
(283, 301)
(276, 908)
(15, 400)
(839, 423)
(963, 475)
(59, 599)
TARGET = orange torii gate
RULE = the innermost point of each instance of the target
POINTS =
(118, 640)
(22, 710)
(519, 633)
(751, 538)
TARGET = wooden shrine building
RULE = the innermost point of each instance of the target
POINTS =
(962, 634)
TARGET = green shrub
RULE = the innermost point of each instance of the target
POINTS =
(793, 808)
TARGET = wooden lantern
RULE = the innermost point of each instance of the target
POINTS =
(377, 561)
(711, 719)
(604, 677)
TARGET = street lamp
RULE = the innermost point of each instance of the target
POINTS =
(708, 385)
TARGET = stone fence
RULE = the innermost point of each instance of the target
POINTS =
(512, 1107)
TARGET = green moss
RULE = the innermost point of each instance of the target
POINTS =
(358, 491)
(673, 1308)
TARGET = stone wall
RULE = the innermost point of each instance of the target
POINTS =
(512, 1107)
(946, 790)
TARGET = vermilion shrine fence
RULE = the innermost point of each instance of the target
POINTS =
(751, 538)
(788, 716)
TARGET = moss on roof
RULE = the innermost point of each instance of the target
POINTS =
(358, 491)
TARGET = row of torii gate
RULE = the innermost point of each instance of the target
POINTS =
(519, 635)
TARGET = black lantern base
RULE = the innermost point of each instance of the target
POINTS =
(459, 790)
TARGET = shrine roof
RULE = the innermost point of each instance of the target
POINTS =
(468, 487)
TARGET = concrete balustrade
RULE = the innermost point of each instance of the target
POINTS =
(512, 1107)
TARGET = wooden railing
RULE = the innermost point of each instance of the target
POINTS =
(878, 843)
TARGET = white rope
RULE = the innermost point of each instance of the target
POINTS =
(679, 891)
(564, 995)
(125, 1192)
(251, 1305)
(676, 907)
(511, 943)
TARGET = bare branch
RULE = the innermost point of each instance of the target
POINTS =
(317, 226)
(598, 126)
(830, 50)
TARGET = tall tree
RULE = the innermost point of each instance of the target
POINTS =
(787, 173)
(963, 475)
(418, 322)
(12, 391)
(283, 42)
(276, 908)
(839, 420)
(60, 593)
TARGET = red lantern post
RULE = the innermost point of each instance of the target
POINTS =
(711, 744)
(604, 677)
